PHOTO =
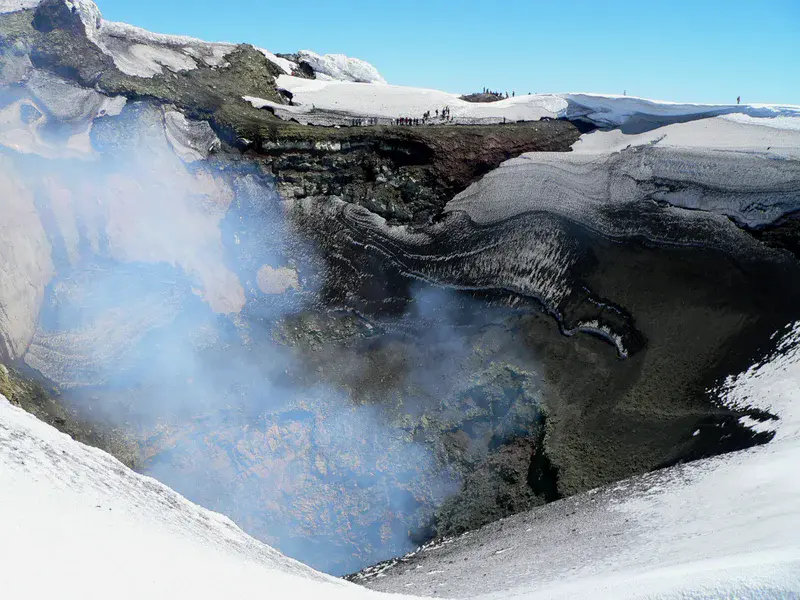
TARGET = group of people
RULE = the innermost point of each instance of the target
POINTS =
(443, 115)
(364, 121)
(498, 94)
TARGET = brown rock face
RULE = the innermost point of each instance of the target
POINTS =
(58, 14)
(404, 175)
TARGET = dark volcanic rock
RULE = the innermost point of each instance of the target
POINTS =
(783, 234)
(482, 97)
(56, 14)
(402, 174)
(497, 487)
(30, 395)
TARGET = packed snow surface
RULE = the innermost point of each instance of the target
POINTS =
(775, 137)
(391, 101)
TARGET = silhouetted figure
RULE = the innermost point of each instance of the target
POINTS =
(738, 99)
(513, 94)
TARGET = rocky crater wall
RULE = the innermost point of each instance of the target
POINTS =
(352, 340)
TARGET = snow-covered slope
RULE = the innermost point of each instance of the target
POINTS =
(355, 87)
(390, 101)
(76, 523)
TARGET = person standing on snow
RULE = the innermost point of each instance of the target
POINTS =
(738, 99)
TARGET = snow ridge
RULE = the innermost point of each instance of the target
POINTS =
(142, 53)
(608, 111)
(338, 67)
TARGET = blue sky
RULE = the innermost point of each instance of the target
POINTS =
(683, 50)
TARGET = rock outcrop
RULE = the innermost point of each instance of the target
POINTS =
(25, 265)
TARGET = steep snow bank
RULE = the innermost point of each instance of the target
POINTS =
(76, 523)
(613, 111)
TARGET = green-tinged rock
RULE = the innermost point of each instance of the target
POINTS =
(46, 406)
